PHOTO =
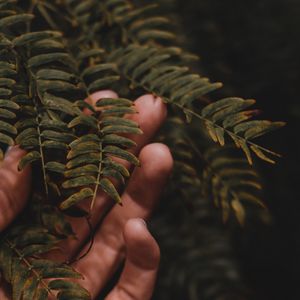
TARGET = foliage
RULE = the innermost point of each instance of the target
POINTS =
(54, 55)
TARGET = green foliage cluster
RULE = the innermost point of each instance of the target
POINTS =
(54, 54)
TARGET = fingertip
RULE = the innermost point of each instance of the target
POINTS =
(157, 160)
(152, 112)
(142, 249)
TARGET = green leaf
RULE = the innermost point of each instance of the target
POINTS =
(53, 74)
(238, 118)
(28, 159)
(79, 181)
(120, 110)
(48, 45)
(148, 22)
(116, 166)
(147, 65)
(60, 272)
(4, 113)
(43, 59)
(7, 73)
(211, 131)
(246, 150)
(60, 104)
(29, 144)
(58, 136)
(198, 92)
(54, 125)
(7, 128)
(86, 138)
(55, 145)
(56, 167)
(231, 110)
(115, 151)
(261, 155)
(121, 129)
(118, 140)
(83, 148)
(26, 134)
(103, 83)
(110, 189)
(56, 86)
(9, 104)
(7, 82)
(81, 171)
(145, 35)
(89, 121)
(118, 121)
(84, 159)
(76, 198)
(111, 173)
(38, 249)
(98, 68)
(214, 107)
(90, 53)
(5, 139)
(35, 36)
(12, 20)
(251, 198)
(264, 128)
(220, 135)
(114, 102)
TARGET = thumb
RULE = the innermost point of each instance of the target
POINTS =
(142, 260)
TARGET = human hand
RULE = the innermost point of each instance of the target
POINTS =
(122, 234)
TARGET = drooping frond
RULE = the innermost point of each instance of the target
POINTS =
(29, 275)
(151, 69)
(8, 107)
(90, 163)
(46, 96)
(231, 183)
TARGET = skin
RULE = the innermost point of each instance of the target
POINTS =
(123, 235)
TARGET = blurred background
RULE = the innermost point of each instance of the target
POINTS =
(253, 47)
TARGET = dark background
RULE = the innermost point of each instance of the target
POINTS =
(253, 47)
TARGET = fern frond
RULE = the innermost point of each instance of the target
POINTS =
(150, 68)
(138, 25)
(29, 275)
(231, 182)
(8, 107)
(89, 159)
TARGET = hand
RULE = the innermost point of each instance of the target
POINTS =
(123, 234)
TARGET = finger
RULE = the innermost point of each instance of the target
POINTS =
(142, 260)
(151, 114)
(14, 186)
(139, 200)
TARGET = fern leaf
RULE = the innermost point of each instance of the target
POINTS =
(232, 183)
(88, 154)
